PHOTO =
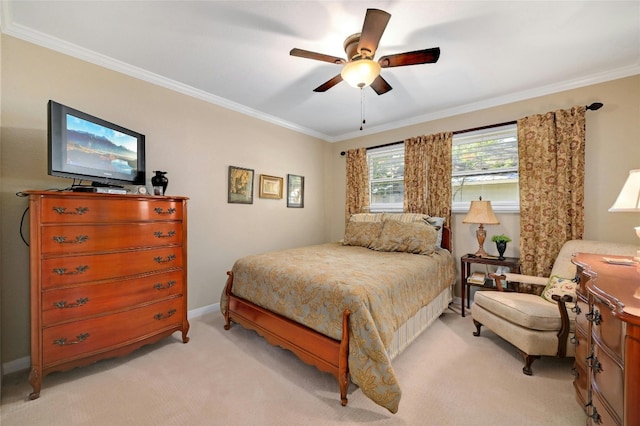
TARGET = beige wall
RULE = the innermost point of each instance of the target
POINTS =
(193, 140)
(196, 141)
(612, 149)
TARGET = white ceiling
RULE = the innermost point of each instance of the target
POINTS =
(236, 53)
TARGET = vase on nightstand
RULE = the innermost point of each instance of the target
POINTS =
(501, 246)
(159, 183)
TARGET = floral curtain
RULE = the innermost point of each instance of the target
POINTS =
(551, 155)
(427, 175)
(357, 182)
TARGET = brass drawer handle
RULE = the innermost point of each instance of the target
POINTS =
(159, 259)
(160, 210)
(594, 415)
(593, 363)
(64, 305)
(63, 340)
(575, 373)
(63, 271)
(78, 210)
(576, 309)
(160, 234)
(63, 240)
(163, 316)
(594, 316)
(159, 286)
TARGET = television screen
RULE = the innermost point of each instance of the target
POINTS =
(85, 147)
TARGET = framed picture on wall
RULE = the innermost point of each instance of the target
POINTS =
(270, 187)
(240, 185)
(295, 191)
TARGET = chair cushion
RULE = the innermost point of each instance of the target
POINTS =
(526, 310)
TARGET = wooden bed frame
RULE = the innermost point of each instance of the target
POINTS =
(326, 354)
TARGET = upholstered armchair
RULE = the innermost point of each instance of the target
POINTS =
(539, 325)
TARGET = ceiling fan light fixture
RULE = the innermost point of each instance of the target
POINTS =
(360, 73)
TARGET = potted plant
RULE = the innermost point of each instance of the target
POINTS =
(501, 241)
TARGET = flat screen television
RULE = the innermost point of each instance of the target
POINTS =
(88, 148)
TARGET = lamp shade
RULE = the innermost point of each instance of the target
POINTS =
(482, 213)
(629, 198)
(360, 73)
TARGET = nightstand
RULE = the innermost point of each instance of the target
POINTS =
(465, 269)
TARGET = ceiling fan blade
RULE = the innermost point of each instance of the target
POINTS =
(380, 85)
(375, 22)
(329, 84)
(317, 56)
(425, 56)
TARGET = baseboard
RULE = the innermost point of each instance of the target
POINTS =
(24, 363)
(198, 312)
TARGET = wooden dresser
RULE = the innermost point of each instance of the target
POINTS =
(607, 361)
(108, 275)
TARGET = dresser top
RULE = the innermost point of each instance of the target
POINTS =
(103, 195)
(618, 285)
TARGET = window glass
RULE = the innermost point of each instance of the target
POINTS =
(386, 178)
(485, 164)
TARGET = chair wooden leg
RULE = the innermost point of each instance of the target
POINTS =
(478, 326)
(528, 360)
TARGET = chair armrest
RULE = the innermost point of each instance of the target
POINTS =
(526, 279)
(565, 327)
(499, 282)
(518, 278)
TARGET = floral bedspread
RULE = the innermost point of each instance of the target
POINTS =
(314, 285)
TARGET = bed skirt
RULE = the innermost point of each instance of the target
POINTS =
(418, 323)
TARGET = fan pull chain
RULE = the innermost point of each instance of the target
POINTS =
(362, 108)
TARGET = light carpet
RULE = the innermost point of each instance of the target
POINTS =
(447, 376)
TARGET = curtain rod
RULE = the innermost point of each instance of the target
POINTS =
(593, 107)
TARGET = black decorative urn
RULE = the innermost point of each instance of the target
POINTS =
(159, 181)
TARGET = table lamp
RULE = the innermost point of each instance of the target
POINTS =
(480, 212)
(629, 198)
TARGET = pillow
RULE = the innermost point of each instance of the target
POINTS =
(560, 286)
(405, 217)
(415, 237)
(362, 234)
(438, 223)
(366, 217)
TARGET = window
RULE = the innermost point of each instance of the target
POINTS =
(386, 178)
(485, 164)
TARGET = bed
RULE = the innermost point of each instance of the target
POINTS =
(349, 307)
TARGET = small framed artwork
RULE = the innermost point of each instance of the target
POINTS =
(240, 185)
(295, 191)
(270, 187)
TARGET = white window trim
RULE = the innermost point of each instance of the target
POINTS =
(498, 206)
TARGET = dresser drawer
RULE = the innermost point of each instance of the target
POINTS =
(608, 379)
(600, 414)
(95, 210)
(66, 239)
(581, 320)
(581, 373)
(84, 301)
(607, 328)
(84, 338)
(64, 271)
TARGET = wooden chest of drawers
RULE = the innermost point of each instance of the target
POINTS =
(108, 275)
(607, 362)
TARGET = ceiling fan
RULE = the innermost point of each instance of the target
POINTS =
(360, 70)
